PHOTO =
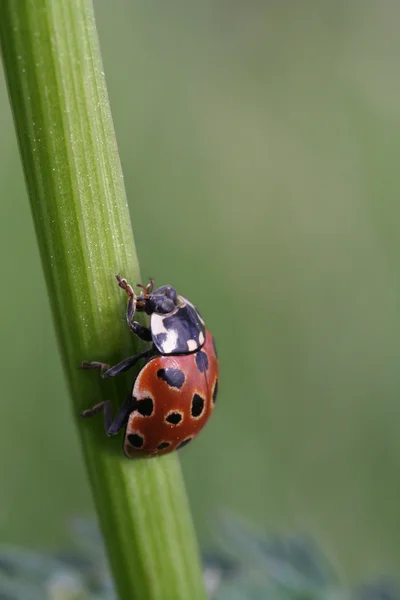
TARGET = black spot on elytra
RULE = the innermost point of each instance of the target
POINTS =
(173, 377)
(197, 405)
(163, 445)
(184, 443)
(145, 407)
(202, 361)
(174, 418)
(214, 346)
(215, 391)
(135, 440)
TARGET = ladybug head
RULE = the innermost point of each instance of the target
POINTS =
(162, 301)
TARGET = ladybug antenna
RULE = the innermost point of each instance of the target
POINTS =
(147, 288)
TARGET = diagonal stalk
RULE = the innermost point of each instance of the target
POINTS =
(73, 174)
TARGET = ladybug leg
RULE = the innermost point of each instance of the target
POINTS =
(124, 365)
(171, 294)
(143, 333)
(124, 285)
(111, 426)
(167, 291)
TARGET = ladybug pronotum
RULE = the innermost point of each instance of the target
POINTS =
(175, 391)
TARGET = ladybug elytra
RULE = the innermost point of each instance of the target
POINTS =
(174, 393)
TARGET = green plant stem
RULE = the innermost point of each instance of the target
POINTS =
(62, 116)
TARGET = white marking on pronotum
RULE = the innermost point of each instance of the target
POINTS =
(181, 301)
(201, 338)
(157, 324)
(157, 327)
(170, 343)
(196, 311)
(191, 344)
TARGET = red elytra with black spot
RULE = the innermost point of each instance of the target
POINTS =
(177, 394)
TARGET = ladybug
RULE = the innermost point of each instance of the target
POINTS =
(175, 391)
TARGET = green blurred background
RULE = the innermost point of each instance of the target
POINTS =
(260, 143)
